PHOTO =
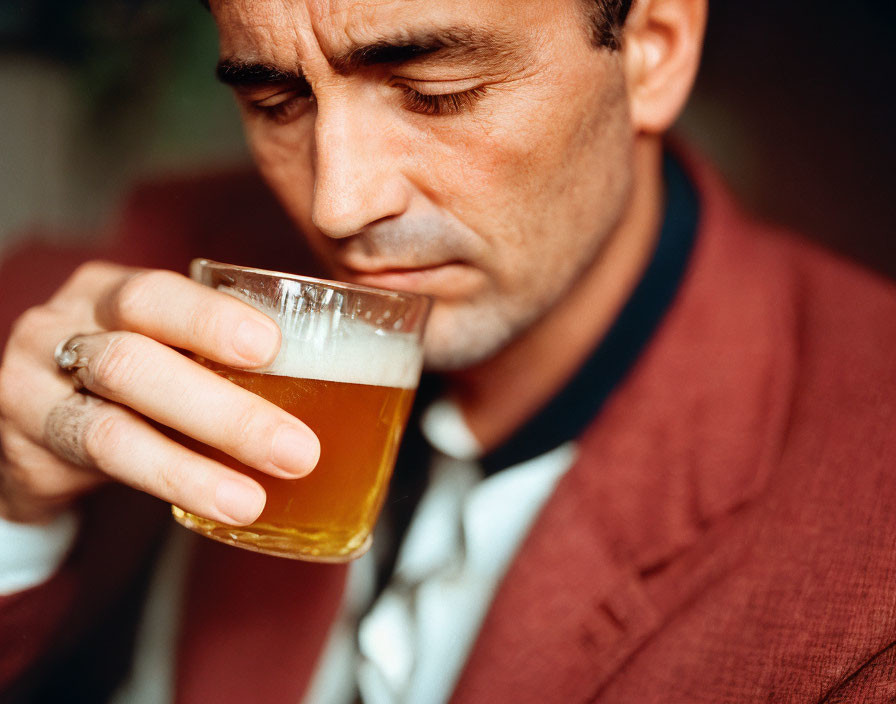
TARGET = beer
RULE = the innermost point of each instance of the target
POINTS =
(330, 512)
(352, 382)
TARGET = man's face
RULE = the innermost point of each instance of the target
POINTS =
(479, 151)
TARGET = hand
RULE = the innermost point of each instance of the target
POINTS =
(58, 443)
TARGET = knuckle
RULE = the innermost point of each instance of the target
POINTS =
(102, 435)
(24, 336)
(88, 273)
(206, 324)
(7, 383)
(163, 480)
(23, 471)
(129, 298)
(166, 481)
(34, 483)
(118, 366)
(12, 384)
(88, 270)
(137, 292)
(16, 474)
(13, 449)
(29, 325)
(249, 426)
(19, 479)
(49, 486)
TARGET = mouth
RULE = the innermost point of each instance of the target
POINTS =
(433, 279)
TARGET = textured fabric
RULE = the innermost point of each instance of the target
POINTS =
(726, 536)
(729, 533)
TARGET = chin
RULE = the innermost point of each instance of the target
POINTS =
(460, 338)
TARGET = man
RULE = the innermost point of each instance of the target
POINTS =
(720, 528)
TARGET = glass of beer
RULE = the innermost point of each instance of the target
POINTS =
(348, 367)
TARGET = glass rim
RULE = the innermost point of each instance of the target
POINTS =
(328, 283)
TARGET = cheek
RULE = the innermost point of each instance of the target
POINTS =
(285, 159)
(535, 184)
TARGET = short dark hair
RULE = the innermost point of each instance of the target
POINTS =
(606, 18)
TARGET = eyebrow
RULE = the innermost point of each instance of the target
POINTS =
(247, 73)
(449, 43)
(491, 49)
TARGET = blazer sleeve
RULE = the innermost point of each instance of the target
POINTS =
(28, 625)
(86, 614)
(94, 597)
(873, 683)
(41, 625)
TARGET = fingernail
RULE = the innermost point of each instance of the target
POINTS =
(239, 500)
(255, 342)
(295, 451)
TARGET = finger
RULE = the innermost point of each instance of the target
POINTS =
(179, 312)
(35, 484)
(29, 388)
(88, 283)
(163, 385)
(95, 433)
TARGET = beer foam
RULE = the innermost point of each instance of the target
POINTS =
(330, 346)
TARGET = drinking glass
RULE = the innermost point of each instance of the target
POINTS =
(348, 367)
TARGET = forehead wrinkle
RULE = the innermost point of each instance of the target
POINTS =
(455, 42)
(346, 37)
(275, 34)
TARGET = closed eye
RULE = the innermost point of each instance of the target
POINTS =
(283, 106)
(287, 104)
(440, 103)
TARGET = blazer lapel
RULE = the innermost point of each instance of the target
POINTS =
(558, 634)
(690, 436)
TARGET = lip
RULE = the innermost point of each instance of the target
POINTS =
(431, 279)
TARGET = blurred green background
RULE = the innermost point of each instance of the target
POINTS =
(98, 94)
(793, 103)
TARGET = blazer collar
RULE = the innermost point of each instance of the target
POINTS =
(687, 439)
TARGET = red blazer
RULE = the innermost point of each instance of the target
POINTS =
(728, 533)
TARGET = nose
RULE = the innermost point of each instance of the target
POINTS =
(357, 179)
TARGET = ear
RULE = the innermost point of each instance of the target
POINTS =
(662, 40)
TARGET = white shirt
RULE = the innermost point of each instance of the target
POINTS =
(410, 644)
(31, 554)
